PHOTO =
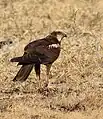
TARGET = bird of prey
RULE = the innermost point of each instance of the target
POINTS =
(42, 51)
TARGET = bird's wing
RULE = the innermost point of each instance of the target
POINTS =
(41, 51)
(41, 42)
(36, 43)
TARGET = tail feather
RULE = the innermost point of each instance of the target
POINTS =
(23, 73)
(16, 59)
(25, 60)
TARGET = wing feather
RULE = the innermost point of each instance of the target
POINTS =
(39, 52)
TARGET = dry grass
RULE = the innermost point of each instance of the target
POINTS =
(76, 77)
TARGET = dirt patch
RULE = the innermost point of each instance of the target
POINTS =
(76, 80)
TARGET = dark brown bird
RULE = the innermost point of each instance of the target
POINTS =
(43, 51)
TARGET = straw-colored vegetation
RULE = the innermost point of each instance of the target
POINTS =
(76, 79)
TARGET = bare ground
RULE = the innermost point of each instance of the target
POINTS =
(76, 90)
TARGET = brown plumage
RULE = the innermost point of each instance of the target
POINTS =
(43, 51)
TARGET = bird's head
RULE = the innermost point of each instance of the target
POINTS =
(59, 35)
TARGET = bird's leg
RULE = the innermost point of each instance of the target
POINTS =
(37, 70)
(48, 66)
